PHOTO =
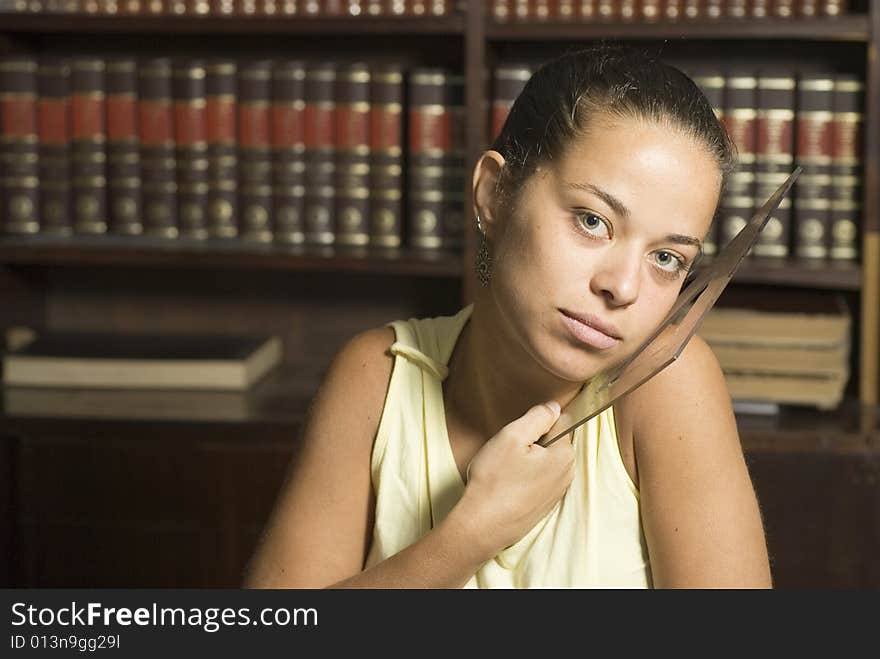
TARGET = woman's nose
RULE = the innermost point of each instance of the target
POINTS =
(617, 278)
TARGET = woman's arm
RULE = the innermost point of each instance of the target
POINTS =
(319, 532)
(699, 510)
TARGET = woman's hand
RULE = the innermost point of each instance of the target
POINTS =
(513, 482)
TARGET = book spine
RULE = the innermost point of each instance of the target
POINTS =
(629, 11)
(222, 7)
(846, 166)
(833, 8)
(288, 149)
(353, 155)
(812, 201)
(500, 10)
(691, 9)
(430, 140)
(53, 122)
(124, 194)
(712, 9)
(320, 141)
(807, 8)
(734, 9)
(759, 8)
(198, 7)
(587, 10)
(19, 145)
(255, 151)
(652, 11)
(158, 162)
(711, 82)
(775, 157)
(566, 10)
(386, 156)
(508, 81)
(455, 166)
(221, 131)
(782, 8)
(191, 143)
(88, 141)
(607, 10)
(740, 119)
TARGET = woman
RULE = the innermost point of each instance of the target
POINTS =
(419, 466)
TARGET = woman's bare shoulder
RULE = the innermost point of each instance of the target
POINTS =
(360, 372)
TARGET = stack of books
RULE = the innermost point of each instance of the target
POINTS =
(781, 357)
(92, 360)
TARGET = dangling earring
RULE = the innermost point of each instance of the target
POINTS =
(484, 259)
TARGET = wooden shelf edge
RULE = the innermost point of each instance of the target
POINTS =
(854, 27)
(827, 275)
(122, 252)
(207, 25)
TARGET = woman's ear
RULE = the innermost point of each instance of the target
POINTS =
(487, 174)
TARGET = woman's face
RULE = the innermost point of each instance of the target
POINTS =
(605, 233)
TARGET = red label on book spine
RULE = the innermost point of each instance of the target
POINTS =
(220, 120)
(18, 116)
(815, 137)
(121, 116)
(430, 131)
(155, 122)
(500, 110)
(53, 114)
(190, 123)
(352, 127)
(775, 136)
(319, 126)
(253, 125)
(287, 125)
(87, 114)
(385, 129)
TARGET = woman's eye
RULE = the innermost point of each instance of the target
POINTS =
(669, 262)
(594, 225)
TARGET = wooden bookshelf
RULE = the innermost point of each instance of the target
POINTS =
(204, 467)
(854, 28)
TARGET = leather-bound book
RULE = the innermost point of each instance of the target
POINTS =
(713, 9)
(288, 150)
(693, 9)
(320, 156)
(19, 145)
(191, 143)
(507, 83)
(158, 161)
(587, 10)
(88, 157)
(847, 170)
(435, 169)
(53, 109)
(254, 151)
(740, 119)
(124, 192)
(386, 156)
(782, 8)
(833, 8)
(352, 174)
(222, 7)
(735, 8)
(812, 193)
(775, 156)
(220, 113)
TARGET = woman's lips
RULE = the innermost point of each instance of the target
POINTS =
(589, 335)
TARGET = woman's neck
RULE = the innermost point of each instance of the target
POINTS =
(492, 380)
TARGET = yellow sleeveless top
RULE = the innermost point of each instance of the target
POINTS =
(592, 538)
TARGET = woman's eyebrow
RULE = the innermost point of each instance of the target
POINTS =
(613, 202)
(617, 206)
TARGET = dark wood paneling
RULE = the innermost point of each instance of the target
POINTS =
(822, 518)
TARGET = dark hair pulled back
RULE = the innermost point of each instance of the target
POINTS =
(607, 81)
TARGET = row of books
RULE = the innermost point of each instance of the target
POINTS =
(236, 8)
(651, 11)
(778, 119)
(314, 153)
(781, 357)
